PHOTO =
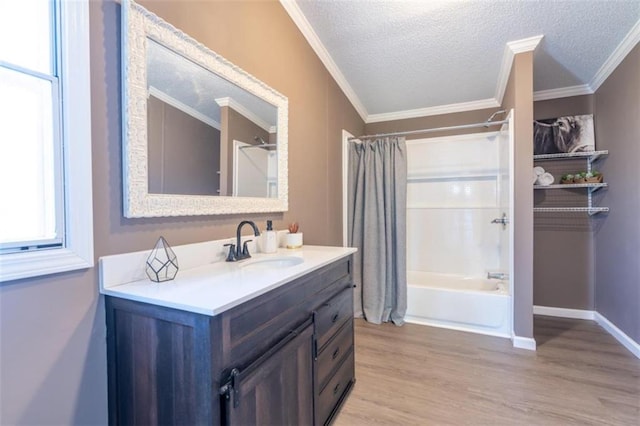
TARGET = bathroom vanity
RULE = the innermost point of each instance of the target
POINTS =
(264, 341)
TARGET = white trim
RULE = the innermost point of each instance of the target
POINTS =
(168, 99)
(503, 74)
(527, 343)
(345, 186)
(626, 45)
(139, 25)
(619, 335)
(609, 327)
(512, 218)
(511, 49)
(314, 41)
(562, 92)
(528, 44)
(76, 116)
(435, 110)
(245, 112)
(563, 312)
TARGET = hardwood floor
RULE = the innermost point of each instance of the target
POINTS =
(418, 375)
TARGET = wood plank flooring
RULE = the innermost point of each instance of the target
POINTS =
(418, 375)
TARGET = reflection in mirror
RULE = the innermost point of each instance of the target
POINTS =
(201, 136)
(189, 111)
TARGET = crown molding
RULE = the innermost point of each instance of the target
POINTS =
(562, 92)
(435, 110)
(503, 74)
(524, 45)
(244, 111)
(291, 7)
(511, 49)
(170, 100)
(626, 45)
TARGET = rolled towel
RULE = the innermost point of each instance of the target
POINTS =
(545, 179)
(537, 172)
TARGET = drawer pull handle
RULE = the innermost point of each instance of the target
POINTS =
(335, 353)
(335, 390)
(335, 317)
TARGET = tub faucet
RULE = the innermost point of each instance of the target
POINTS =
(497, 276)
(237, 253)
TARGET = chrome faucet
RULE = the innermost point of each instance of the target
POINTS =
(497, 276)
(237, 253)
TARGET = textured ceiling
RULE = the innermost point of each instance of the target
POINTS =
(189, 87)
(401, 55)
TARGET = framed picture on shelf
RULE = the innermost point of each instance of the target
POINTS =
(564, 135)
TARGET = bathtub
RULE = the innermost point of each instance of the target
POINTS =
(460, 303)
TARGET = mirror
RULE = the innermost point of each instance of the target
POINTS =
(200, 135)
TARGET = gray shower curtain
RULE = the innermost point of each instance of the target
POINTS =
(377, 227)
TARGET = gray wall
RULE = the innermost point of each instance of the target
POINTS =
(235, 127)
(563, 243)
(52, 329)
(594, 264)
(184, 152)
(617, 240)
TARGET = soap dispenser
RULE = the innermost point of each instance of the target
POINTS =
(270, 239)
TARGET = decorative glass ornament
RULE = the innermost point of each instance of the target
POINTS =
(162, 263)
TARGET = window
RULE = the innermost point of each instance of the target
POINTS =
(45, 138)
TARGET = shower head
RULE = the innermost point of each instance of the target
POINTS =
(493, 115)
(259, 139)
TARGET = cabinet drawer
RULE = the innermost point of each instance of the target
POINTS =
(331, 395)
(333, 353)
(332, 314)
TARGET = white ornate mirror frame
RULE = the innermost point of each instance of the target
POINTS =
(138, 24)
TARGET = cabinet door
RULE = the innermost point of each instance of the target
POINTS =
(277, 389)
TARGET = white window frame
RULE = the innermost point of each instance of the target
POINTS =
(75, 100)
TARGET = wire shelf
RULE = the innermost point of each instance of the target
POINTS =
(590, 210)
(589, 155)
(591, 186)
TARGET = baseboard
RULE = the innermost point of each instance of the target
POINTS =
(563, 312)
(524, 342)
(610, 328)
(620, 335)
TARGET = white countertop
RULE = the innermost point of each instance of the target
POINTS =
(213, 288)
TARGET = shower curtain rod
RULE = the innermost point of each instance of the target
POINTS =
(435, 129)
(266, 145)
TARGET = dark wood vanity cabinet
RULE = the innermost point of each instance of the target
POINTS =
(285, 357)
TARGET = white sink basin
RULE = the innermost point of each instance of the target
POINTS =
(273, 262)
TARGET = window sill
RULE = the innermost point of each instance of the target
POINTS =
(17, 266)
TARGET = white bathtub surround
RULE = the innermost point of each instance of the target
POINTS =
(458, 186)
(206, 284)
(461, 303)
